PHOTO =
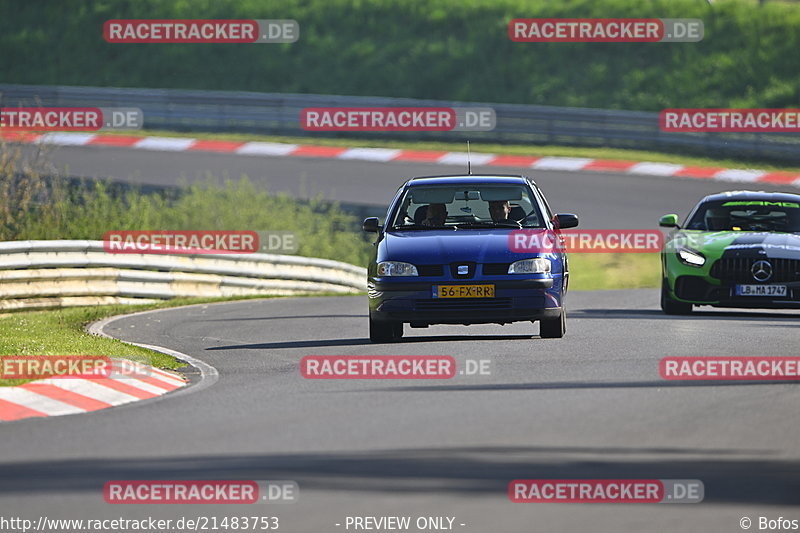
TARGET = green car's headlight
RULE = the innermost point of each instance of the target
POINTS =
(691, 257)
(530, 266)
(396, 268)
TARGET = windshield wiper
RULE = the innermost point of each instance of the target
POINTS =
(491, 224)
(418, 226)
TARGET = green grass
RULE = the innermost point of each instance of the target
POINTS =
(591, 271)
(501, 149)
(60, 332)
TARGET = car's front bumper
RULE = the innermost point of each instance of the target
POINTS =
(514, 301)
(699, 290)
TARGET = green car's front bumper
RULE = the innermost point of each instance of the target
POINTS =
(696, 285)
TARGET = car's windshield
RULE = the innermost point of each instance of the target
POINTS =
(747, 215)
(467, 206)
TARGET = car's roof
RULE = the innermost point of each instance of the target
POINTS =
(753, 195)
(467, 179)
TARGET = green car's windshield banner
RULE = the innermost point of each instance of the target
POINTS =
(761, 203)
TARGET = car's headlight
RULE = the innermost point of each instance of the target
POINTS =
(396, 268)
(530, 266)
(691, 257)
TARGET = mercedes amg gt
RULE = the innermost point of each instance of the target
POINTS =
(735, 249)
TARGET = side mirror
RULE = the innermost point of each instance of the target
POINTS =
(565, 220)
(370, 225)
(669, 221)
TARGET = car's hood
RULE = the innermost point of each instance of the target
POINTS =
(448, 246)
(742, 243)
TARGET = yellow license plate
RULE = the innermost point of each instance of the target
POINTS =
(463, 291)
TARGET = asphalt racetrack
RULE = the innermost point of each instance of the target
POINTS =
(589, 406)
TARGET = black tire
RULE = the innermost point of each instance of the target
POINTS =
(554, 328)
(670, 306)
(382, 331)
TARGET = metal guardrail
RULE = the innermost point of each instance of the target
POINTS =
(279, 114)
(68, 273)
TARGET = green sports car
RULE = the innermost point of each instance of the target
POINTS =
(736, 249)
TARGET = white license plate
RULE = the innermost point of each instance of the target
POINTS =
(761, 290)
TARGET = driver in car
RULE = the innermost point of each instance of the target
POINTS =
(499, 210)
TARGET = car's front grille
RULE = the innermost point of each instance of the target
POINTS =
(430, 270)
(495, 269)
(462, 304)
(463, 269)
(738, 270)
(488, 269)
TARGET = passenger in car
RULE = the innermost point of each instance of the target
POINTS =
(435, 215)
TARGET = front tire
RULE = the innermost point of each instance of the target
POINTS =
(670, 306)
(397, 330)
(554, 328)
(381, 332)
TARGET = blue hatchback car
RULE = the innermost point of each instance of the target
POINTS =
(445, 256)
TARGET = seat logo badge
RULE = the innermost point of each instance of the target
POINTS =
(463, 270)
(761, 270)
